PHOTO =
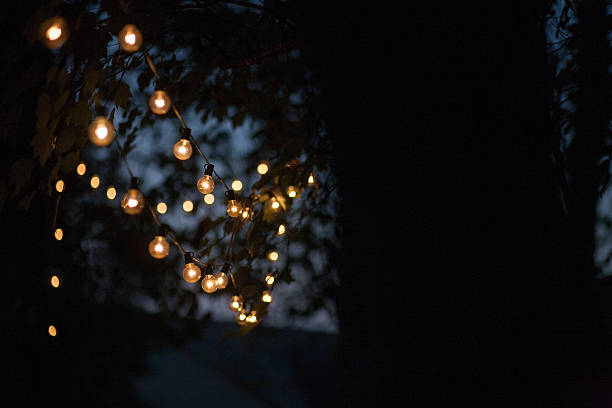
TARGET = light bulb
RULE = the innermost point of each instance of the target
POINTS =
(81, 168)
(221, 278)
(236, 185)
(262, 168)
(235, 304)
(247, 213)
(160, 102)
(187, 206)
(182, 149)
(209, 199)
(111, 193)
(311, 179)
(291, 191)
(266, 296)
(191, 272)
(281, 230)
(273, 256)
(252, 317)
(162, 208)
(101, 131)
(269, 279)
(54, 32)
(52, 331)
(132, 202)
(206, 184)
(209, 283)
(59, 186)
(58, 234)
(130, 38)
(55, 281)
(94, 182)
(234, 208)
(241, 317)
(159, 247)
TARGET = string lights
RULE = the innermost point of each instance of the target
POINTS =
(101, 132)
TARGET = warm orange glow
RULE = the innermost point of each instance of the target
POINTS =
(55, 281)
(81, 168)
(191, 273)
(273, 256)
(281, 230)
(132, 202)
(162, 208)
(311, 179)
(94, 182)
(59, 186)
(233, 208)
(275, 205)
(159, 102)
(101, 131)
(187, 206)
(209, 284)
(291, 191)
(269, 279)
(236, 185)
(266, 296)
(182, 149)
(241, 317)
(262, 168)
(206, 184)
(52, 331)
(235, 304)
(130, 38)
(159, 247)
(221, 279)
(111, 193)
(209, 199)
(54, 32)
(59, 234)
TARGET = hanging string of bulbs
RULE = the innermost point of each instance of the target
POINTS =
(54, 32)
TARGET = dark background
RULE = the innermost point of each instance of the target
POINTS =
(460, 278)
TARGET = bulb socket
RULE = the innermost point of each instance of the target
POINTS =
(134, 181)
(208, 169)
(226, 268)
(230, 195)
(208, 269)
(186, 133)
(188, 257)
(163, 229)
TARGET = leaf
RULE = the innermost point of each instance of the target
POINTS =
(41, 146)
(43, 111)
(122, 96)
(70, 161)
(20, 174)
(65, 140)
(61, 101)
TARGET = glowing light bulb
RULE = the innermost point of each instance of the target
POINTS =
(262, 168)
(233, 208)
(81, 168)
(241, 317)
(269, 279)
(273, 205)
(52, 331)
(273, 256)
(130, 38)
(209, 283)
(187, 206)
(206, 184)
(281, 230)
(55, 281)
(266, 296)
(209, 199)
(94, 182)
(160, 102)
(132, 202)
(236, 304)
(54, 32)
(101, 131)
(58, 234)
(159, 247)
(252, 318)
(111, 193)
(311, 179)
(162, 208)
(59, 186)
(221, 278)
(182, 149)
(291, 191)
(247, 212)
(191, 272)
(236, 185)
